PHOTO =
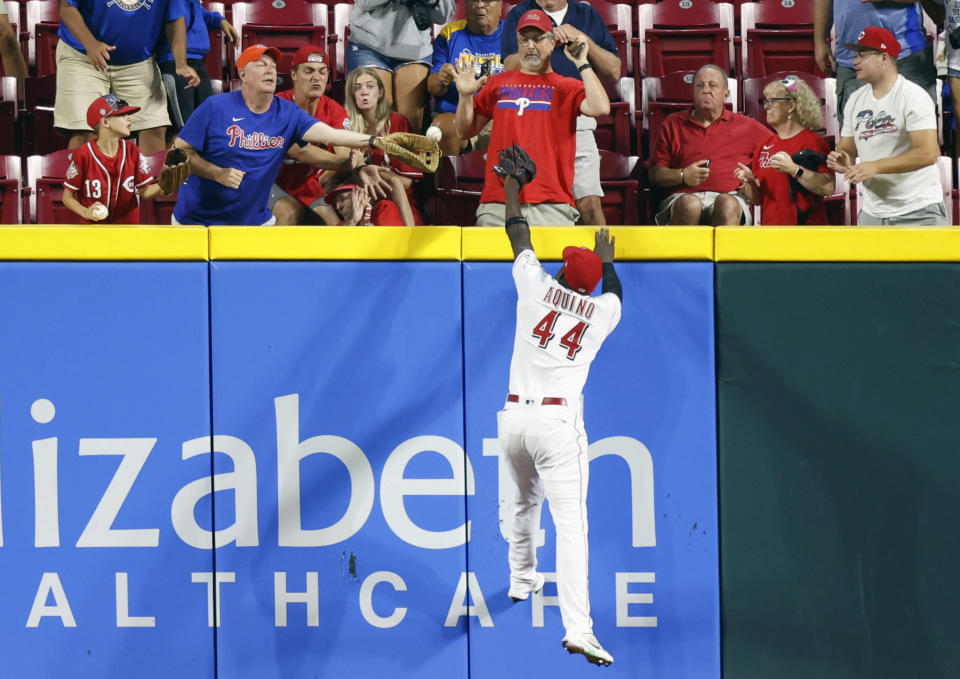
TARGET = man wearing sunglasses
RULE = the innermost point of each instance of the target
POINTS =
(890, 128)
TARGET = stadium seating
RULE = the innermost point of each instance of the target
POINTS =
(460, 181)
(288, 26)
(613, 130)
(620, 178)
(216, 61)
(10, 184)
(619, 19)
(681, 35)
(777, 36)
(42, 23)
(160, 209)
(45, 176)
(8, 115)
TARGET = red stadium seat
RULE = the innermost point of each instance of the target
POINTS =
(288, 26)
(10, 184)
(777, 36)
(613, 130)
(39, 137)
(45, 177)
(42, 24)
(341, 28)
(216, 61)
(682, 35)
(619, 19)
(8, 115)
(620, 179)
(824, 88)
(160, 209)
(460, 181)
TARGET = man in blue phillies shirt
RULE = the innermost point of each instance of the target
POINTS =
(237, 142)
(108, 47)
(903, 18)
(476, 40)
(572, 20)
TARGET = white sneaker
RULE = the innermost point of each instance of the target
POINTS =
(589, 647)
(522, 592)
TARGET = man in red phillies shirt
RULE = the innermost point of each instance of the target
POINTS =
(538, 108)
(697, 153)
(297, 186)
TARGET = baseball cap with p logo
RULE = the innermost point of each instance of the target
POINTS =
(878, 39)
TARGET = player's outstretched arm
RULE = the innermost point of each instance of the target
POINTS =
(518, 231)
(604, 247)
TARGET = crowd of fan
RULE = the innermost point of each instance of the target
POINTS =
(484, 73)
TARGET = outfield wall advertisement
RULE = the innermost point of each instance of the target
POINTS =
(290, 469)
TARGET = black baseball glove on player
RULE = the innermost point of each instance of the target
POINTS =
(514, 162)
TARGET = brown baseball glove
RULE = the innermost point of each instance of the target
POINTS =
(175, 170)
(513, 161)
(413, 149)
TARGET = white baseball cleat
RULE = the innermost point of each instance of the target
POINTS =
(522, 592)
(589, 647)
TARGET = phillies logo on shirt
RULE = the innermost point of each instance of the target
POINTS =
(523, 97)
(870, 124)
(131, 5)
(254, 140)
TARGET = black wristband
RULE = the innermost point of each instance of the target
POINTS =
(372, 139)
(515, 220)
(583, 67)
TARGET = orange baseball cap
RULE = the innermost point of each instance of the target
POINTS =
(254, 52)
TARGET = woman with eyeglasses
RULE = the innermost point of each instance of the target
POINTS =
(369, 112)
(789, 176)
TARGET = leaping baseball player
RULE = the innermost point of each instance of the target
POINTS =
(560, 329)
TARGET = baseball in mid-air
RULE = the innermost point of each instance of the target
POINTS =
(98, 210)
(434, 133)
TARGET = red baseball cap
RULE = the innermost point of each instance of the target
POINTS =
(104, 107)
(344, 187)
(582, 269)
(876, 38)
(536, 18)
(254, 52)
(311, 54)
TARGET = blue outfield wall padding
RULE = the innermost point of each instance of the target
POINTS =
(650, 418)
(103, 380)
(338, 388)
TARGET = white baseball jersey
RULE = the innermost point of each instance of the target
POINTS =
(559, 332)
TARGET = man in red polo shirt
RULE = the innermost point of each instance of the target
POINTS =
(697, 153)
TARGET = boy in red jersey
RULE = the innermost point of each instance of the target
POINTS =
(108, 177)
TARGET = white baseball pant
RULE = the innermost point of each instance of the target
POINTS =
(546, 453)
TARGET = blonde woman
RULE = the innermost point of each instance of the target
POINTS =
(369, 112)
(789, 176)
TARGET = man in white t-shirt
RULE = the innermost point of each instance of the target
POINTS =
(890, 127)
(560, 329)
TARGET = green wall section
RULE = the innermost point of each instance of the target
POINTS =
(839, 471)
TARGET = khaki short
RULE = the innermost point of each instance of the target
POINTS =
(536, 214)
(707, 199)
(79, 83)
